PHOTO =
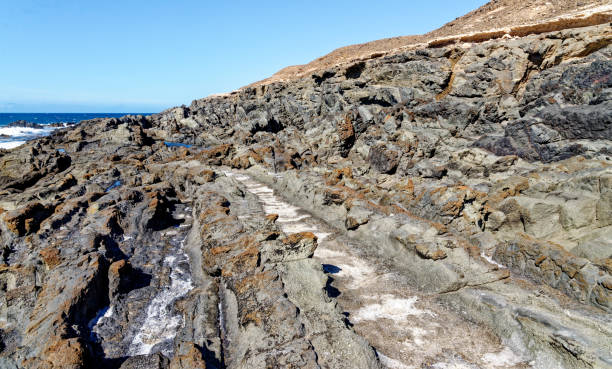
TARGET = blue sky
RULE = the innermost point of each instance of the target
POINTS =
(146, 56)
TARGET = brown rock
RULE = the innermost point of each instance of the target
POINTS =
(50, 256)
(426, 252)
(119, 274)
(338, 175)
(66, 353)
(215, 155)
(346, 134)
(384, 159)
(190, 359)
(296, 246)
(27, 220)
(246, 261)
(333, 196)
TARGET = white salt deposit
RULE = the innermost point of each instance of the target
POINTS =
(290, 218)
(392, 363)
(106, 312)
(502, 359)
(296, 228)
(323, 253)
(418, 334)
(296, 219)
(356, 275)
(357, 271)
(321, 235)
(393, 308)
(453, 366)
(490, 260)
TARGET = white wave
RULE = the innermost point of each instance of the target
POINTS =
(11, 144)
(24, 131)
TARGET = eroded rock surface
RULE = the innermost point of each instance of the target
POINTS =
(468, 183)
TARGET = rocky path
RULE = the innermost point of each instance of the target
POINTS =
(407, 328)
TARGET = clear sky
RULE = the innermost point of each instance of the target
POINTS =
(146, 56)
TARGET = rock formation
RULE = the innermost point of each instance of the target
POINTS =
(472, 170)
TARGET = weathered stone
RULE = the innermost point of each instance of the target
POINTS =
(356, 217)
(384, 159)
(27, 220)
(153, 361)
(435, 157)
(296, 246)
(426, 251)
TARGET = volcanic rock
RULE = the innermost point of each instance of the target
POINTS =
(471, 168)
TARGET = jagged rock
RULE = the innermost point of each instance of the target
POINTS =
(475, 168)
(346, 133)
(192, 358)
(551, 264)
(51, 256)
(296, 246)
(356, 217)
(427, 252)
(120, 274)
(384, 159)
(154, 361)
(66, 353)
(27, 220)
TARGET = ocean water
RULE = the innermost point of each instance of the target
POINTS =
(11, 137)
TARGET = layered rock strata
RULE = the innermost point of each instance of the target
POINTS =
(478, 173)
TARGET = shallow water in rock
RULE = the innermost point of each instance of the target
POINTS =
(407, 328)
(162, 322)
(154, 328)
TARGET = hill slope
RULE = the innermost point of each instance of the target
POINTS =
(494, 19)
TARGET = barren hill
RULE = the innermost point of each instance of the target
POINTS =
(493, 20)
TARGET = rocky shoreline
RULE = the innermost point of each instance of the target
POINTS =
(25, 124)
(464, 185)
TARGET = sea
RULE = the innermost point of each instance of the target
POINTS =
(11, 137)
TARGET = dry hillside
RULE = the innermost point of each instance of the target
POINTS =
(495, 19)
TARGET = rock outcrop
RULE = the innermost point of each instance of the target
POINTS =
(477, 170)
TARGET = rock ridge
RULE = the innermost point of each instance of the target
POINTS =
(476, 175)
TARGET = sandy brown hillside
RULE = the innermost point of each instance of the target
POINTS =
(493, 20)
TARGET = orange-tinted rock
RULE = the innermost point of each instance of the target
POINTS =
(189, 358)
(27, 220)
(334, 196)
(338, 175)
(50, 256)
(246, 261)
(346, 134)
(66, 353)
(426, 252)
(215, 155)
